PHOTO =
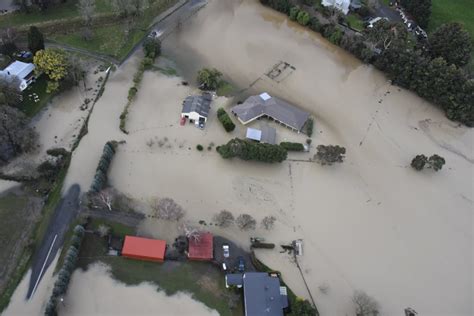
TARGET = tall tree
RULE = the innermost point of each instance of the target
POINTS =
(42, 4)
(54, 64)
(10, 93)
(137, 7)
(35, 40)
(121, 8)
(7, 41)
(15, 135)
(22, 4)
(420, 9)
(86, 9)
(452, 42)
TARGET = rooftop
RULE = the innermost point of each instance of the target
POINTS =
(264, 104)
(263, 295)
(144, 248)
(201, 247)
(199, 104)
(19, 69)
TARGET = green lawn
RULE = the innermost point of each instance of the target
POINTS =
(225, 89)
(60, 11)
(355, 22)
(453, 10)
(202, 280)
(28, 105)
(112, 39)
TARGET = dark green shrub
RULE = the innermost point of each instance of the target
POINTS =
(303, 18)
(252, 151)
(100, 178)
(56, 152)
(225, 120)
(289, 146)
(199, 147)
(309, 127)
(152, 47)
(419, 162)
(132, 92)
(294, 13)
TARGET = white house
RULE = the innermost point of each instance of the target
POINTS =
(23, 71)
(196, 108)
(341, 5)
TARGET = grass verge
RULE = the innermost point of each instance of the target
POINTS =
(28, 105)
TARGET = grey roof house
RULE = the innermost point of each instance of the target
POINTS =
(265, 134)
(196, 108)
(263, 295)
(264, 105)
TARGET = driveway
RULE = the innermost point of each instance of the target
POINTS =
(388, 12)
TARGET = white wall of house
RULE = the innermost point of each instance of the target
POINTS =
(341, 5)
(193, 116)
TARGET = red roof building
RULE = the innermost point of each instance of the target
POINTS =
(201, 248)
(144, 248)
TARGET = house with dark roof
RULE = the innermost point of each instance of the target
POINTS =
(196, 108)
(263, 294)
(23, 71)
(264, 105)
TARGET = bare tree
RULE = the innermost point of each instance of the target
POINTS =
(364, 304)
(103, 230)
(138, 6)
(86, 9)
(191, 232)
(121, 7)
(167, 209)
(246, 222)
(224, 219)
(104, 198)
(268, 222)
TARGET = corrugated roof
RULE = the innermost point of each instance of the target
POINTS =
(201, 248)
(19, 69)
(268, 135)
(144, 248)
(254, 134)
(256, 106)
(199, 104)
(262, 295)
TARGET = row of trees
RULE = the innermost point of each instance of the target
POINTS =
(433, 69)
(247, 150)
(64, 275)
(226, 219)
(419, 9)
(224, 118)
(100, 178)
(289, 146)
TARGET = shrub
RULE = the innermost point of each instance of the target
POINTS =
(100, 178)
(292, 146)
(419, 162)
(309, 127)
(436, 162)
(224, 219)
(294, 13)
(56, 152)
(152, 47)
(252, 151)
(199, 147)
(327, 155)
(209, 79)
(226, 121)
(132, 92)
(303, 18)
(268, 222)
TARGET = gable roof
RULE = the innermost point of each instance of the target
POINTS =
(264, 104)
(144, 248)
(201, 248)
(262, 295)
(199, 104)
(19, 69)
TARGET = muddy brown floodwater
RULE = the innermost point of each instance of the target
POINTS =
(371, 223)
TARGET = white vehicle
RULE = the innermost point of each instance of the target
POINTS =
(225, 249)
(224, 267)
(375, 20)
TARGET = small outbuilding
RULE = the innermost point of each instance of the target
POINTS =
(144, 248)
(201, 247)
(196, 108)
(266, 134)
(23, 71)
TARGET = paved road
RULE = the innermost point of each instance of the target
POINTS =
(64, 214)
(388, 12)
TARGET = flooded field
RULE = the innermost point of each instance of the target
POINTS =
(94, 292)
(372, 223)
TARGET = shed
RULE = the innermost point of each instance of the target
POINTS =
(144, 248)
(201, 247)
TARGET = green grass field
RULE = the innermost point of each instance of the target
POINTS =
(202, 280)
(452, 10)
(28, 105)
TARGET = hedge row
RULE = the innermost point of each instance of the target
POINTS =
(100, 178)
(292, 146)
(224, 118)
(64, 275)
(145, 64)
(247, 150)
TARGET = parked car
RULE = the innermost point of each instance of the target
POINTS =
(241, 264)
(225, 249)
(224, 266)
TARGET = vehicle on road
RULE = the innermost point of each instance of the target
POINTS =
(224, 266)
(225, 249)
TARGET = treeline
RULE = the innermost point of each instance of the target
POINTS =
(64, 275)
(100, 178)
(419, 67)
(247, 150)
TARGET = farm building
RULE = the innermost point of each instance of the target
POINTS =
(144, 248)
(266, 106)
(265, 134)
(196, 108)
(23, 71)
(201, 247)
